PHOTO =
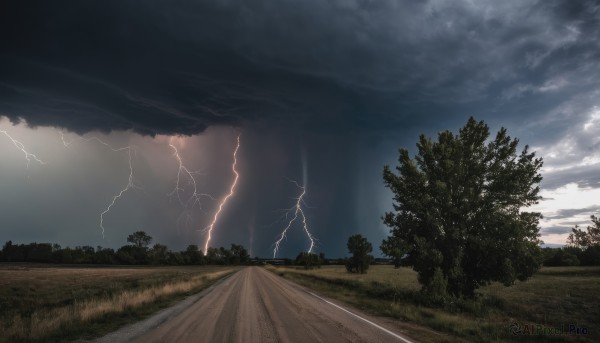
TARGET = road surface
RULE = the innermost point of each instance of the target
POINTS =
(255, 305)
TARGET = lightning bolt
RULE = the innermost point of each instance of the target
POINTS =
(298, 212)
(231, 191)
(130, 184)
(194, 198)
(20, 146)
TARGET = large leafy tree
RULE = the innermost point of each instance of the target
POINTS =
(458, 209)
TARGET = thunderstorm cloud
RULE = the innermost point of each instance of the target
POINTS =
(343, 82)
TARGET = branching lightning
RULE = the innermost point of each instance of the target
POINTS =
(20, 146)
(231, 191)
(298, 212)
(130, 184)
(194, 198)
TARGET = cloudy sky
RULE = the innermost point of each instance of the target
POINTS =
(320, 92)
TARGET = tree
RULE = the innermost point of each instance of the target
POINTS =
(308, 260)
(239, 255)
(394, 248)
(360, 248)
(83, 254)
(63, 255)
(214, 256)
(175, 258)
(13, 252)
(586, 239)
(458, 209)
(159, 254)
(560, 257)
(139, 239)
(193, 255)
(323, 259)
(591, 256)
(104, 256)
(226, 255)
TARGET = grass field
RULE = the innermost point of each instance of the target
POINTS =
(552, 299)
(45, 303)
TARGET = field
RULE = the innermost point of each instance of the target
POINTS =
(542, 307)
(45, 303)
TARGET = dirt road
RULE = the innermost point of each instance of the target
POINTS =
(255, 305)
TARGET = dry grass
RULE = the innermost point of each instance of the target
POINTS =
(401, 278)
(41, 303)
(553, 297)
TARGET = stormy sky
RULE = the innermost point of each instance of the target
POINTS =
(321, 92)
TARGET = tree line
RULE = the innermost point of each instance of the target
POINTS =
(571, 256)
(137, 252)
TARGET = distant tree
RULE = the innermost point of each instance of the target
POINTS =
(39, 252)
(590, 256)
(323, 259)
(192, 255)
(458, 208)
(126, 255)
(105, 256)
(395, 249)
(360, 248)
(548, 255)
(83, 254)
(176, 258)
(239, 255)
(588, 238)
(159, 254)
(560, 257)
(139, 239)
(64, 256)
(226, 255)
(214, 256)
(132, 254)
(13, 252)
(308, 260)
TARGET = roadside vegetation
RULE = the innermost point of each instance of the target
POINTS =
(42, 303)
(553, 298)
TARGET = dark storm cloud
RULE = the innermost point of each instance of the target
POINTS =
(568, 213)
(584, 177)
(556, 230)
(180, 66)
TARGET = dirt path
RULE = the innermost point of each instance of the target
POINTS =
(255, 305)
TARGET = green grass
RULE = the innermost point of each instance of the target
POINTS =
(553, 297)
(46, 303)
